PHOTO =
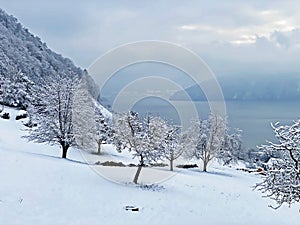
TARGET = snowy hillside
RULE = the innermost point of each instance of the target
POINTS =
(27, 64)
(26, 52)
(38, 187)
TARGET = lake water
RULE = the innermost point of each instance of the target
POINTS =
(253, 117)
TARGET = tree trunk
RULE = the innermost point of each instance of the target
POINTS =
(137, 174)
(205, 162)
(171, 164)
(227, 162)
(64, 151)
(99, 147)
(171, 161)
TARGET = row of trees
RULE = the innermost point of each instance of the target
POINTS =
(63, 112)
(49, 103)
(52, 107)
(66, 113)
(151, 139)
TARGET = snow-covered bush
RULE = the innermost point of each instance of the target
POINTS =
(282, 180)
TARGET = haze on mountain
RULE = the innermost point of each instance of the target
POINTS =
(279, 87)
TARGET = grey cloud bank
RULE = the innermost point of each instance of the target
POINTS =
(235, 37)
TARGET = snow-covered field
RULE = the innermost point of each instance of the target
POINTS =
(38, 187)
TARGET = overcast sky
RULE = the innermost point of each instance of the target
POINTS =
(233, 37)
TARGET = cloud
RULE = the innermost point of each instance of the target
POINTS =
(190, 27)
(264, 23)
(287, 39)
(233, 36)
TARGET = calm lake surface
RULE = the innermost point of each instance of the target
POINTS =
(253, 117)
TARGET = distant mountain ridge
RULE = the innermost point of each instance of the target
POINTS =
(27, 53)
(250, 88)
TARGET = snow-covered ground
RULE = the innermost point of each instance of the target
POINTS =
(38, 187)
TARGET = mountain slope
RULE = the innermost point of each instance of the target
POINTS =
(22, 50)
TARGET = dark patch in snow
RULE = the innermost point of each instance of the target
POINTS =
(22, 116)
(132, 208)
(151, 187)
(111, 163)
(158, 164)
(131, 165)
(5, 116)
(187, 166)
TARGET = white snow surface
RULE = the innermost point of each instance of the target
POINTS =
(38, 187)
(104, 111)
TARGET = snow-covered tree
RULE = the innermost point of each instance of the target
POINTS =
(282, 180)
(139, 136)
(231, 149)
(104, 132)
(20, 89)
(15, 88)
(51, 110)
(27, 53)
(91, 127)
(5, 83)
(174, 142)
(208, 138)
(83, 116)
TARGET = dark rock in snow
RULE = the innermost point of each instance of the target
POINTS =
(187, 166)
(111, 163)
(5, 116)
(131, 208)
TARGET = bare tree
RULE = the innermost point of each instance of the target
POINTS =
(139, 136)
(174, 143)
(208, 137)
(282, 180)
(51, 110)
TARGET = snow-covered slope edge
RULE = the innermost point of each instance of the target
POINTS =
(104, 111)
